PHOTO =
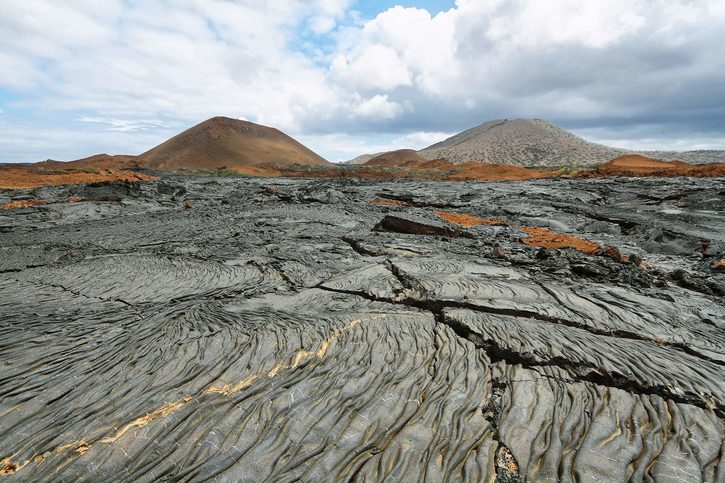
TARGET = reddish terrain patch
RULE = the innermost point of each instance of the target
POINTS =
(11, 205)
(396, 158)
(383, 202)
(493, 172)
(441, 169)
(8, 467)
(543, 237)
(538, 237)
(437, 169)
(636, 165)
(25, 177)
(613, 252)
(719, 265)
(402, 164)
(468, 221)
(93, 163)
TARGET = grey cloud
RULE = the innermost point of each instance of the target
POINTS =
(660, 76)
(663, 80)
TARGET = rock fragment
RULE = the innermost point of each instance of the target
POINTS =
(417, 226)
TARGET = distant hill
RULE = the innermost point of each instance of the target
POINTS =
(396, 158)
(232, 143)
(535, 142)
(362, 159)
(523, 142)
(637, 165)
(97, 161)
(250, 148)
(701, 156)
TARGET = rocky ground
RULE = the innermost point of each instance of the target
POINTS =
(232, 329)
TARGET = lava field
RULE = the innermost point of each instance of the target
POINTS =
(245, 329)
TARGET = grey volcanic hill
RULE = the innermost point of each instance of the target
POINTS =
(524, 142)
(535, 142)
(224, 142)
(700, 156)
(362, 159)
(397, 157)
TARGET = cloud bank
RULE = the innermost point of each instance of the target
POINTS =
(83, 77)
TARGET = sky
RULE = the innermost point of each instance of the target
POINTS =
(348, 77)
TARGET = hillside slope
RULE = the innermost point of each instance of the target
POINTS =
(362, 159)
(232, 143)
(523, 142)
(396, 158)
(636, 165)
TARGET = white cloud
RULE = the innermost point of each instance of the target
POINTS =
(400, 47)
(378, 107)
(343, 147)
(124, 125)
(340, 147)
(329, 12)
(663, 144)
(377, 67)
(321, 25)
(422, 139)
(315, 67)
(425, 44)
(593, 24)
(647, 139)
(163, 59)
(26, 142)
(335, 8)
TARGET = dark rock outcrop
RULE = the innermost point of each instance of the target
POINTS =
(406, 224)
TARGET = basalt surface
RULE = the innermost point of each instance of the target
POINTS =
(233, 329)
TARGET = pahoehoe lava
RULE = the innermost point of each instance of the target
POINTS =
(291, 330)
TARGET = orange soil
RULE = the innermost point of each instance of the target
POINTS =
(55, 172)
(437, 169)
(11, 205)
(538, 237)
(8, 467)
(635, 161)
(96, 162)
(396, 158)
(719, 265)
(467, 221)
(408, 163)
(383, 202)
(442, 170)
(636, 165)
(613, 252)
(542, 237)
(24, 177)
(486, 171)
(396, 165)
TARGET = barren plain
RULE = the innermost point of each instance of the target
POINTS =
(246, 329)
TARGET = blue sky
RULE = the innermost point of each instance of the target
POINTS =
(349, 77)
(371, 9)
